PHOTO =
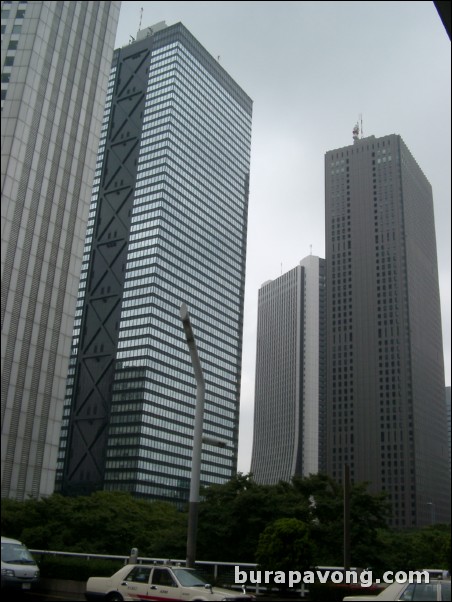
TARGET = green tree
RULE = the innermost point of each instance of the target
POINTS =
(368, 514)
(232, 516)
(325, 499)
(102, 523)
(237, 512)
(285, 545)
(415, 549)
(231, 519)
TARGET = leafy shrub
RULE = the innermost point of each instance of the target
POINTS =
(78, 569)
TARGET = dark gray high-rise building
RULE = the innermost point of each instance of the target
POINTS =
(385, 379)
(55, 60)
(168, 225)
(289, 414)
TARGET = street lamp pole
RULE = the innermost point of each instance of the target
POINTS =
(346, 487)
(197, 438)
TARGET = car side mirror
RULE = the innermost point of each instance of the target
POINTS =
(209, 587)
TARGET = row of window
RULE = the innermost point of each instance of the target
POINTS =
(151, 335)
(180, 246)
(169, 200)
(168, 194)
(120, 412)
(230, 144)
(195, 185)
(159, 351)
(214, 405)
(217, 313)
(181, 273)
(192, 158)
(222, 394)
(131, 318)
(206, 82)
(183, 453)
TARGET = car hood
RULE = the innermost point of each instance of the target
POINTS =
(227, 593)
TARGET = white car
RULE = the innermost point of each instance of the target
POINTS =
(436, 589)
(19, 568)
(157, 582)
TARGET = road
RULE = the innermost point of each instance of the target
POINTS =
(40, 596)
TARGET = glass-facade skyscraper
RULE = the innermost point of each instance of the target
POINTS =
(289, 412)
(385, 374)
(168, 225)
(55, 61)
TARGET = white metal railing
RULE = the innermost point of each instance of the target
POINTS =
(215, 565)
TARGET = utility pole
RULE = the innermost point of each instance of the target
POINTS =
(346, 487)
(197, 438)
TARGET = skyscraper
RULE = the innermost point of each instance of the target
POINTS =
(290, 375)
(55, 61)
(167, 225)
(385, 378)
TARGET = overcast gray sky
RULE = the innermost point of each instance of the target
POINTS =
(312, 68)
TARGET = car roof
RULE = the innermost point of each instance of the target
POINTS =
(149, 565)
(392, 589)
(9, 540)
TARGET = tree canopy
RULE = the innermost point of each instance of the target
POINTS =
(102, 523)
(239, 511)
(285, 545)
(233, 519)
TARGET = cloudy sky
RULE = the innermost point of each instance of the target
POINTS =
(312, 68)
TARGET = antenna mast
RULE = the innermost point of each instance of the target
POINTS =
(358, 129)
(141, 17)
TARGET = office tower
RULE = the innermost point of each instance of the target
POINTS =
(289, 417)
(55, 61)
(386, 415)
(167, 226)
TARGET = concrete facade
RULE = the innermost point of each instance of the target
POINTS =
(290, 375)
(55, 60)
(385, 383)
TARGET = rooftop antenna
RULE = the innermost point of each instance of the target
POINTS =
(361, 124)
(310, 249)
(356, 133)
(141, 17)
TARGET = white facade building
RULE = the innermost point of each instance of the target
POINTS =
(289, 394)
(55, 60)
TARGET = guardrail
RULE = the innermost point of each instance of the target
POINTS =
(215, 570)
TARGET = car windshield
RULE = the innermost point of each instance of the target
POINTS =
(14, 553)
(445, 590)
(189, 577)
